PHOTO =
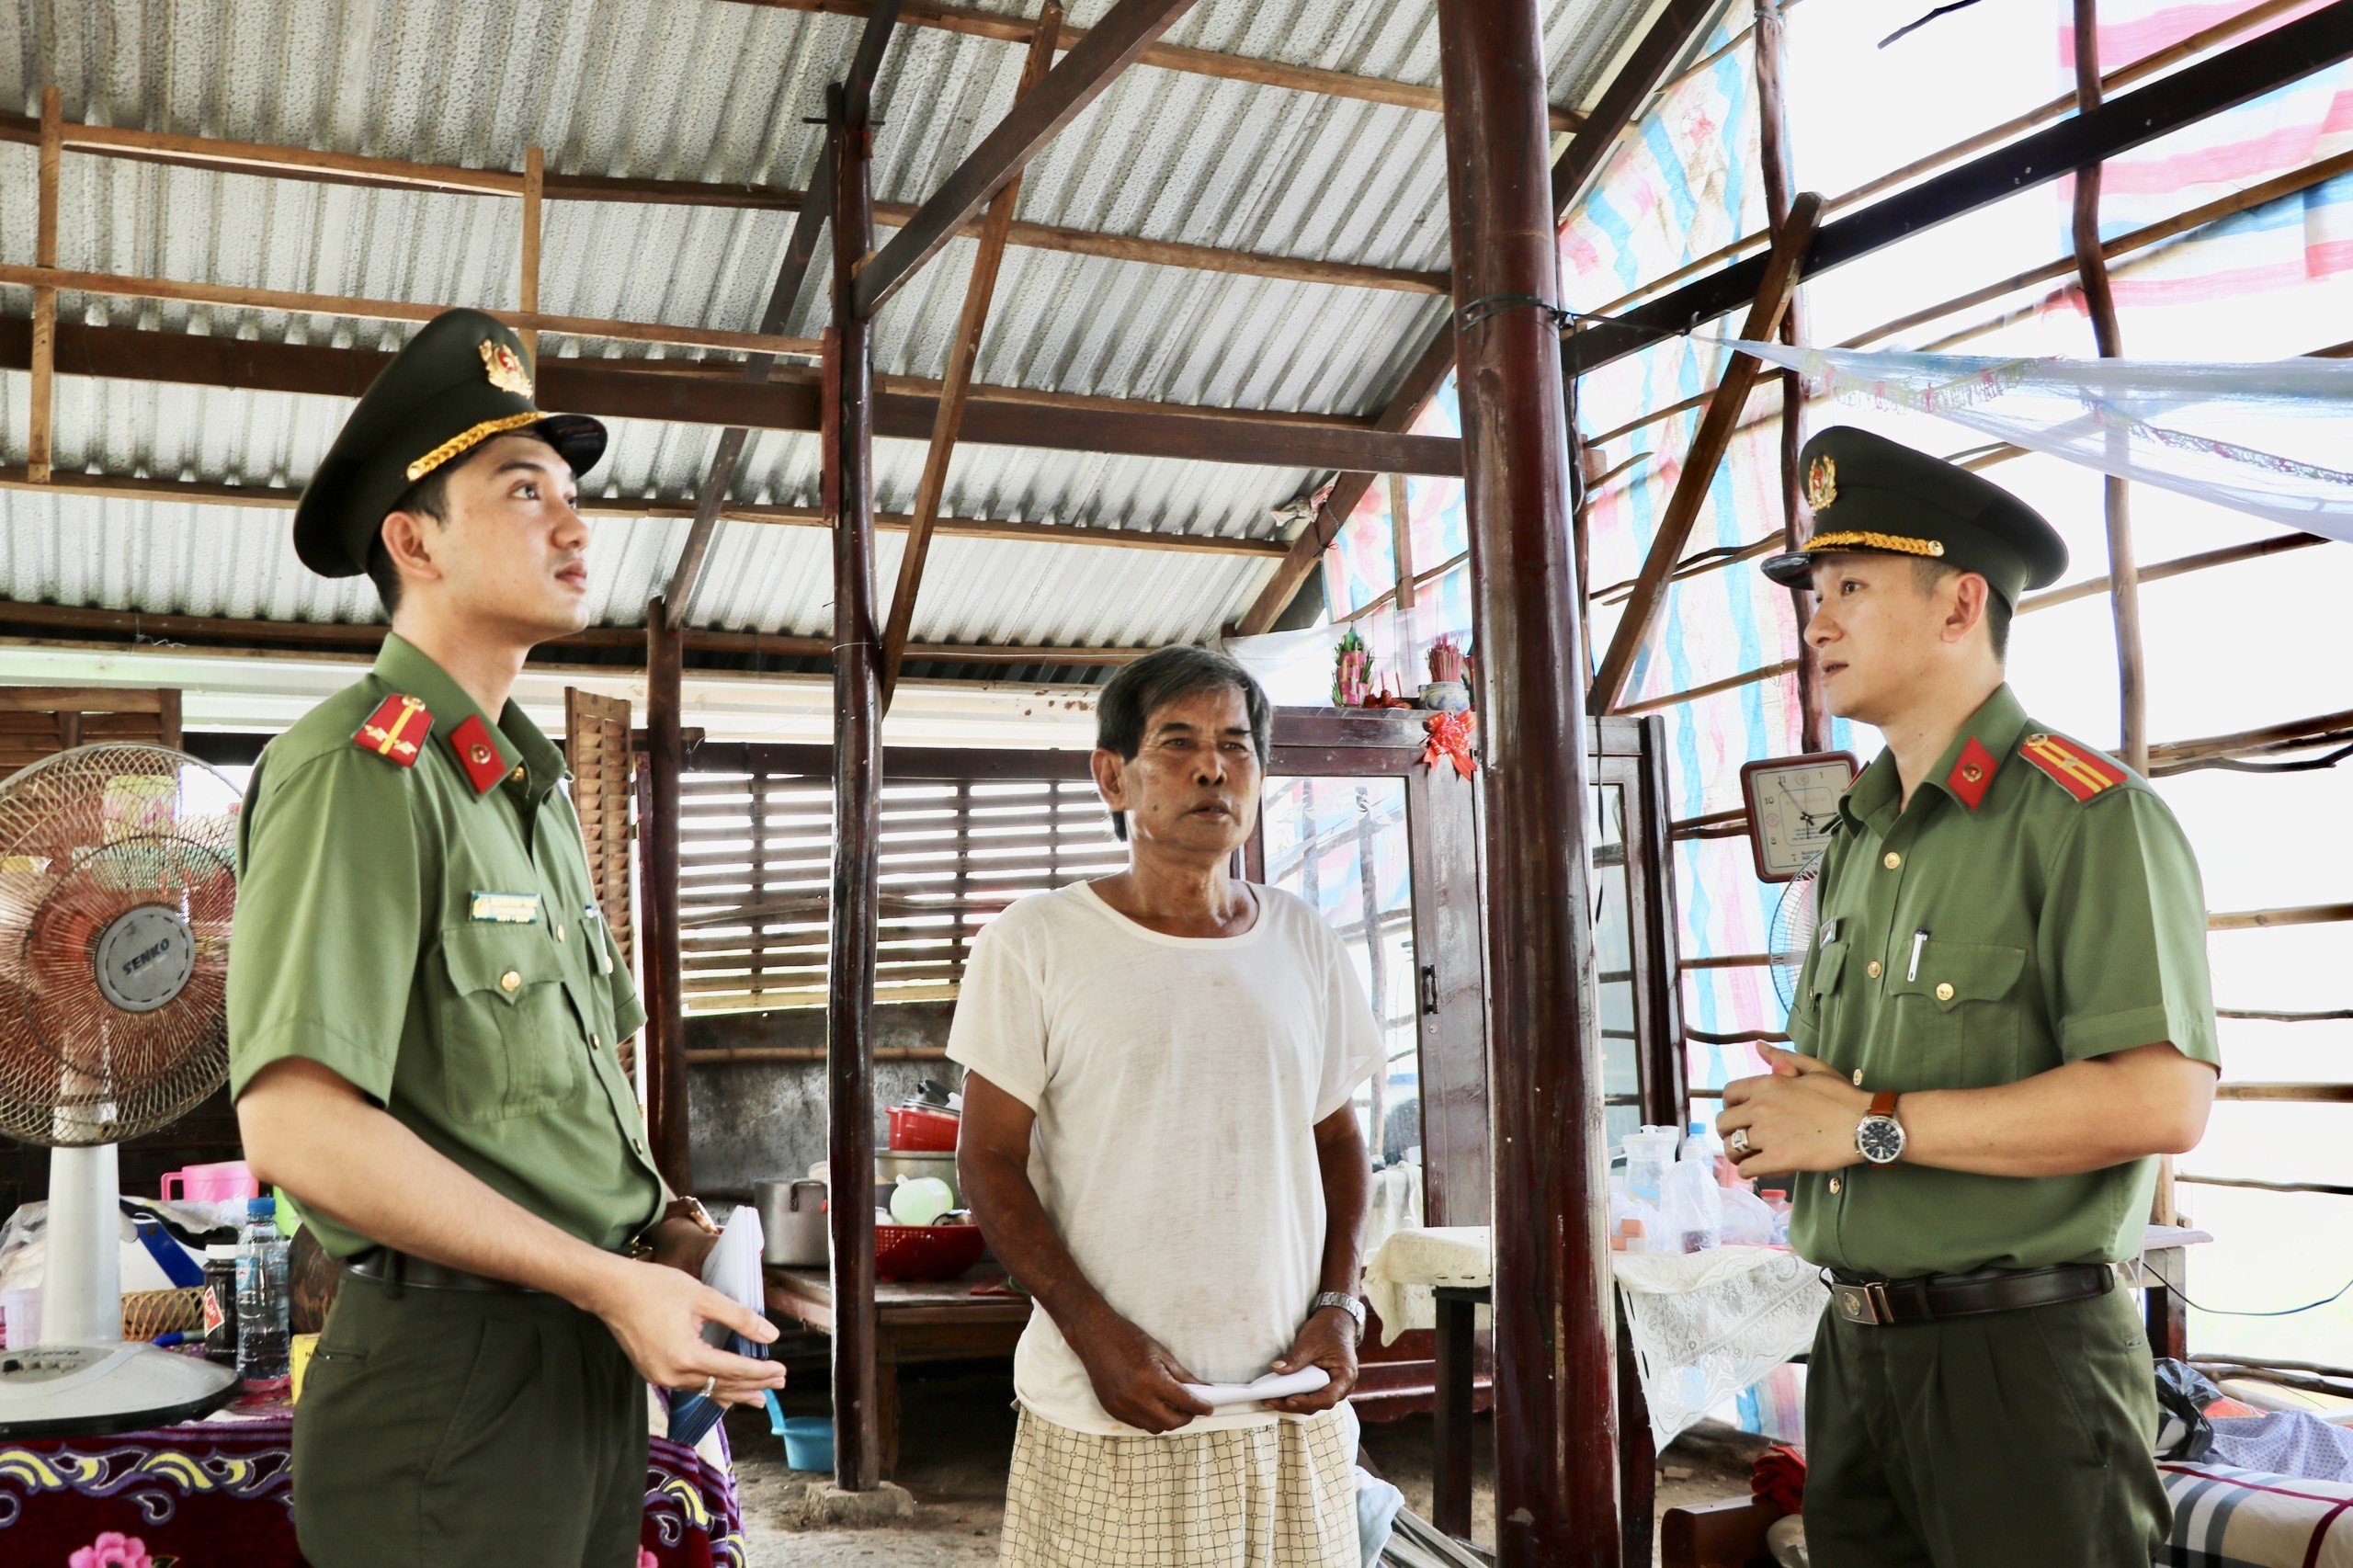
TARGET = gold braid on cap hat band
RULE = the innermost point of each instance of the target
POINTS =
(464, 439)
(1899, 543)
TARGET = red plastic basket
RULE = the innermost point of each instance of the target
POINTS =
(925, 1252)
(923, 1131)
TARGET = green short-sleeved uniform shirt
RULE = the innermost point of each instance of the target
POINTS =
(438, 946)
(2036, 905)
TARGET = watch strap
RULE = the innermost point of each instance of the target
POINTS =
(1884, 1103)
(1342, 1300)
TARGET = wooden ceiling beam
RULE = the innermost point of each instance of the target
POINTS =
(1669, 39)
(963, 353)
(608, 390)
(260, 497)
(222, 157)
(1095, 59)
(117, 624)
(973, 22)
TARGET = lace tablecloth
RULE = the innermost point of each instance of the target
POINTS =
(1705, 1324)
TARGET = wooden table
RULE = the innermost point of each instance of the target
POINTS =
(940, 1321)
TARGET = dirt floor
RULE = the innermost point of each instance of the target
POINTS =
(959, 1435)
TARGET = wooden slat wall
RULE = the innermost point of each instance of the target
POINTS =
(597, 749)
(755, 862)
(41, 721)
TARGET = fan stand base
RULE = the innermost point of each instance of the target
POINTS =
(89, 1390)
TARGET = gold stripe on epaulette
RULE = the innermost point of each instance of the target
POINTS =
(464, 439)
(1899, 543)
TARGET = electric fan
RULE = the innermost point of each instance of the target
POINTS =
(117, 883)
(1791, 932)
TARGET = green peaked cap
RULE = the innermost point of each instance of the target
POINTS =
(1874, 496)
(462, 381)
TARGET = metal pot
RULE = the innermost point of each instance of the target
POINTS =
(792, 1222)
(890, 1164)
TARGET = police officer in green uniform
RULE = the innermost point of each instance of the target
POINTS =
(424, 1010)
(2003, 1017)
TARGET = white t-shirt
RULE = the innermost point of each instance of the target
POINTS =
(1177, 1082)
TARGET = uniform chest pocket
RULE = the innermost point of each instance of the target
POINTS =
(1821, 983)
(510, 1039)
(1957, 1016)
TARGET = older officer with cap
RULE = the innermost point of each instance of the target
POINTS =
(2004, 1014)
(423, 1006)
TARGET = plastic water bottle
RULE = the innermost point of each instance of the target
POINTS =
(262, 1363)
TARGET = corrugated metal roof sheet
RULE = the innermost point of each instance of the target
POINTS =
(708, 90)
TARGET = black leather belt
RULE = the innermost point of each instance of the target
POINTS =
(400, 1268)
(1860, 1300)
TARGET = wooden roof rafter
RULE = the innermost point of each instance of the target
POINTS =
(1670, 37)
(973, 22)
(221, 155)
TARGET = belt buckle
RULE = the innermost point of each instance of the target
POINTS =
(1865, 1304)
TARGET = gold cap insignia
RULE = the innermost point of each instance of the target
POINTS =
(1821, 479)
(506, 371)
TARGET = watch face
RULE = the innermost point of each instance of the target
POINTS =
(1879, 1140)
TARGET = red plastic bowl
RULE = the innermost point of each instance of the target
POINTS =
(925, 1252)
(923, 1131)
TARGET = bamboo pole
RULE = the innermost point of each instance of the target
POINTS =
(119, 286)
(40, 434)
(1774, 152)
(1715, 433)
(534, 189)
(963, 354)
(1401, 543)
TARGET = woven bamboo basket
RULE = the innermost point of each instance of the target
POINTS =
(146, 1314)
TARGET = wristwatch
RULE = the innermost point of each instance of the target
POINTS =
(1345, 1302)
(641, 1246)
(1879, 1137)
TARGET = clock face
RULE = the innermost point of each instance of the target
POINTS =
(1792, 809)
(1879, 1140)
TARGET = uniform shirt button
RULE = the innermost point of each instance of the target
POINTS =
(1873, 970)
(509, 982)
(638, 1144)
(1944, 992)
(593, 1041)
(559, 934)
(1836, 1187)
(1858, 1077)
(1894, 861)
(517, 775)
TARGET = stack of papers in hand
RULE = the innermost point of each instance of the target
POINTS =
(733, 1269)
(1274, 1385)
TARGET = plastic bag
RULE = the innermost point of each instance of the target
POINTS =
(1694, 1218)
(2183, 1394)
(1747, 1220)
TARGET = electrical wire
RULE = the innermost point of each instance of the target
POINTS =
(2274, 1313)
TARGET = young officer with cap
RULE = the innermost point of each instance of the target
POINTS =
(424, 1007)
(2003, 1017)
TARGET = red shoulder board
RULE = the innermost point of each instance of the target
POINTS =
(478, 755)
(2080, 770)
(1972, 774)
(398, 730)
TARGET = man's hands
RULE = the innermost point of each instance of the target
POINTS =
(1135, 1378)
(1327, 1339)
(657, 1314)
(1801, 1117)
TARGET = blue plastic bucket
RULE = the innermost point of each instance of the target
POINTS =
(808, 1439)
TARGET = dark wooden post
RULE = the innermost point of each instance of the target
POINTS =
(1556, 1495)
(665, 1039)
(858, 779)
(1781, 188)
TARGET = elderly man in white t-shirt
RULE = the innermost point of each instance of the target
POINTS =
(1159, 1141)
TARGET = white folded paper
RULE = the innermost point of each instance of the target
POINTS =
(734, 1267)
(1274, 1385)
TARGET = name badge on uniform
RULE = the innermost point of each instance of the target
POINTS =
(596, 922)
(506, 908)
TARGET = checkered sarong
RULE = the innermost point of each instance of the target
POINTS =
(1281, 1496)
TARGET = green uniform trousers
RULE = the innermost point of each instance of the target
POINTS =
(443, 1427)
(1999, 1441)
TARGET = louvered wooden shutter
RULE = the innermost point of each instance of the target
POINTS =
(597, 749)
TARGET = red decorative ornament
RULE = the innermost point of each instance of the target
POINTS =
(1451, 741)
